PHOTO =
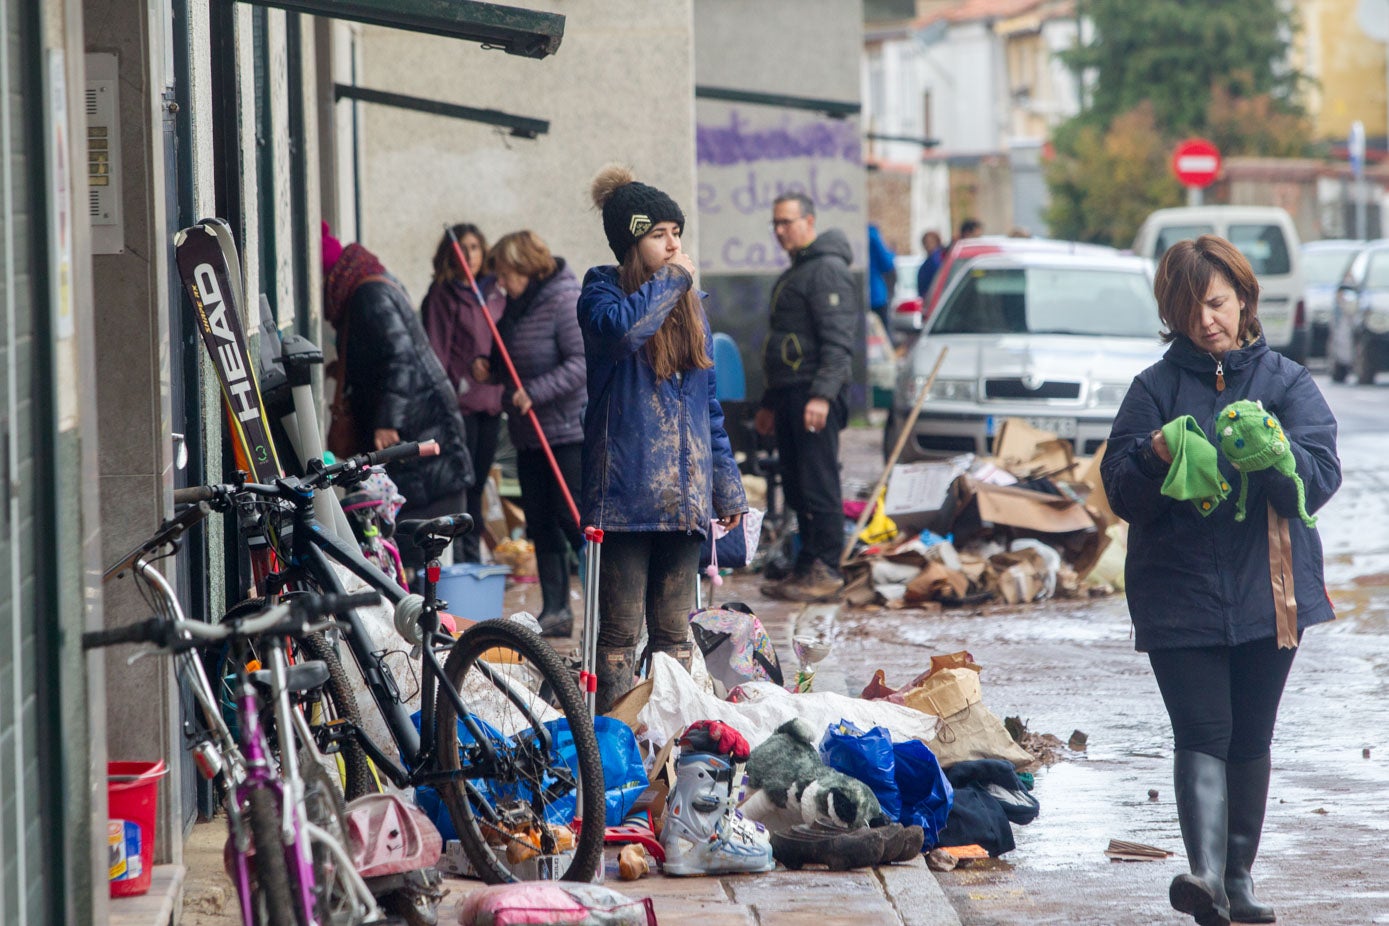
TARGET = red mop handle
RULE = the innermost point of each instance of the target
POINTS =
(515, 377)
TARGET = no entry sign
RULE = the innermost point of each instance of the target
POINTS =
(1196, 162)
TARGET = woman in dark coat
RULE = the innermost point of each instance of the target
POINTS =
(658, 467)
(460, 337)
(541, 333)
(395, 385)
(1219, 603)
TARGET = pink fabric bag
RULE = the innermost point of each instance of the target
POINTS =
(387, 836)
(552, 903)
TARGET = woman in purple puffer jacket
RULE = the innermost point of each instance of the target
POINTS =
(463, 342)
(540, 329)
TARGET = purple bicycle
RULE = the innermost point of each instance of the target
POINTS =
(286, 850)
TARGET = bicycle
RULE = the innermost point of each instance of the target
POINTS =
(285, 819)
(510, 794)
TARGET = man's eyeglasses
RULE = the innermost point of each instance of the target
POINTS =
(783, 223)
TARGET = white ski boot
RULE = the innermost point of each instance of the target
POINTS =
(703, 833)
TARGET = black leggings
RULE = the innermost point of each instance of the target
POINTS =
(648, 577)
(549, 525)
(1223, 700)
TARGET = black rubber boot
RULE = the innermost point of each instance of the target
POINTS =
(837, 850)
(1248, 786)
(1202, 810)
(556, 620)
(616, 665)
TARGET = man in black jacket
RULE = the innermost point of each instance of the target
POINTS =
(810, 345)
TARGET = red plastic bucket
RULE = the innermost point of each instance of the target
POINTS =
(132, 795)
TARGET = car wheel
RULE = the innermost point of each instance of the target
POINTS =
(1339, 372)
(1364, 363)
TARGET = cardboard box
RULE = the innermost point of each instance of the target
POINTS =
(984, 506)
(945, 692)
(919, 496)
(629, 705)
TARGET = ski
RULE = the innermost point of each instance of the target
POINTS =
(211, 272)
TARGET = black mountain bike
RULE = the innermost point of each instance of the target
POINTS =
(503, 734)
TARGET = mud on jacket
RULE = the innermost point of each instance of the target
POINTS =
(656, 455)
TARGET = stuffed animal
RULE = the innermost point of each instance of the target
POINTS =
(1253, 440)
(792, 785)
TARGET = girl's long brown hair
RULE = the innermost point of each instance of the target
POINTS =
(678, 345)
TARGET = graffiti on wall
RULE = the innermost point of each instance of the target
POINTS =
(748, 156)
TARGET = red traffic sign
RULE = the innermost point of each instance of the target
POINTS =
(1196, 162)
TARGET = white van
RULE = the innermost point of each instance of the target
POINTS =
(1267, 237)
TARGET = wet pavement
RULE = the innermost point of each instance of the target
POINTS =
(1065, 666)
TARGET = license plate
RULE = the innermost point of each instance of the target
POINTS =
(1061, 427)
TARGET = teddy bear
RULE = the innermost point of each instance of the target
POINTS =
(792, 784)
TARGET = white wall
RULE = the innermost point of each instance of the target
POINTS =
(620, 88)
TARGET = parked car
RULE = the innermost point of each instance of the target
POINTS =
(910, 311)
(1359, 339)
(1053, 338)
(1267, 237)
(905, 307)
(1324, 265)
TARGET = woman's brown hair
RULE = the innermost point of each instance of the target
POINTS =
(1184, 277)
(678, 345)
(445, 261)
(523, 252)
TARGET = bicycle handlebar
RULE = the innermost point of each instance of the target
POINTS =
(290, 617)
(194, 494)
(167, 533)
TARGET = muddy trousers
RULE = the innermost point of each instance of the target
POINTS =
(646, 578)
(1223, 702)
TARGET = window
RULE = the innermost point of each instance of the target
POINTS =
(1169, 236)
(1265, 247)
(1046, 300)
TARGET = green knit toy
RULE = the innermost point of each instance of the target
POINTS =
(1253, 440)
(1194, 474)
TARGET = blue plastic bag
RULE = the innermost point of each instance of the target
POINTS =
(927, 795)
(624, 775)
(867, 757)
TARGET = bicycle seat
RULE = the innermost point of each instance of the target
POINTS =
(301, 677)
(447, 527)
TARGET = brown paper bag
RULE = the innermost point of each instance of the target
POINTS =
(975, 733)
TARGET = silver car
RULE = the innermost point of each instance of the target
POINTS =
(1051, 338)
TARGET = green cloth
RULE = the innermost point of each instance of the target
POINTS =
(1194, 475)
(1253, 440)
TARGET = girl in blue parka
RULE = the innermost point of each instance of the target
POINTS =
(1219, 603)
(657, 465)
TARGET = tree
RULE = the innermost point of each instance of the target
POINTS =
(1174, 53)
(1163, 70)
(1103, 184)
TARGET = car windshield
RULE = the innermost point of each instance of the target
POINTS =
(1325, 267)
(1265, 247)
(1048, 300)
(1166, 237)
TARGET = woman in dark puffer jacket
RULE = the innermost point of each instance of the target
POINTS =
(540, 329)
(458, 331)
(396, 387)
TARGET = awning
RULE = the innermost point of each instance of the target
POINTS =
(516, 31)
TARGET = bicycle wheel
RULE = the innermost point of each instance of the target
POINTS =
(506, 813)
(335, 902)
(272, 902)
(341, 704)
(338, 702)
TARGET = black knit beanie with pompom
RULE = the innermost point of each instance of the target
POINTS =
(631, 208)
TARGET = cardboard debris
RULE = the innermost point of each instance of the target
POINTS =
(1021, 575)
(627, 707)
(946, 692)
(987, 506)
(1121, 850)
(933, 581)
(1027, 452)
(918, 494)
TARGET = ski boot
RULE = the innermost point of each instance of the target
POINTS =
(703, 834)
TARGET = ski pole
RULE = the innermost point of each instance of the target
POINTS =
(515, 377)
